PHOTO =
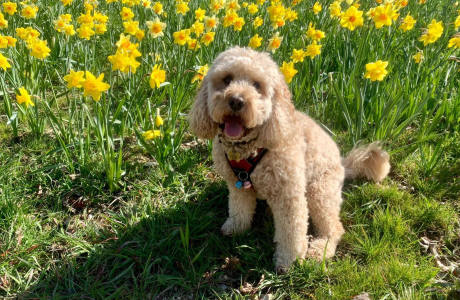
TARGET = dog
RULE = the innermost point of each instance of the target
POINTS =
(266, 149)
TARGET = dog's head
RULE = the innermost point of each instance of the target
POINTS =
(243, 93)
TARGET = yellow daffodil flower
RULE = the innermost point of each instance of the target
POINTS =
(255, 41)
(156, 28)
(24, 97)
(94, 86)
(288, 71)
(418, 57)
(407, 23)
(157, 77)
(4, 62)
(274, 42)
(376, 71)
(352, 18)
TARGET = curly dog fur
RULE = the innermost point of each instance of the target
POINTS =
(244, 104)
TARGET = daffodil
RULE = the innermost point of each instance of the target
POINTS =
(74, 79)
(193, 44)
(156, 27)
(197, 28)
(100, 28)
(119, 61)
(157, 77)
(29, 11)
(24, 97)
(407, 23)
(85, 31)
(182, 7)
(433, 33)
(418, 57)
(298, 55)
(288, 71)
(66, 17)
(238, 24)
(3, 42)
(60, 24)
(210, 22)
(159, 120)
(278, 23)
(9, 8)
(216, 5)
(352, 18)
(181, 37)
(131, 27)
(335, 10)
(158, 8)
(258, 21)
(252, 9)
(69, 30)
(276, 11)
(202, 71)
(314, 34)
(126, 13)
(3, 22)
(457, 23)
(208, 38)
(255, 41)
(39, 49)
(4, 62)
(146, 3)
(383, 16)
(11, 41)
(274, 42)
(229, 19)
(151, 134)
(376, 71)
(454, 42)
(317, 8)
(313, 50)
(85, 18)
(200, 14)
(232, 6)
(94, 86)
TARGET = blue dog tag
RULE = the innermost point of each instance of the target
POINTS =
(239, 184)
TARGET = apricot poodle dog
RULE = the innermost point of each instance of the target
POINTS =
(266, 149)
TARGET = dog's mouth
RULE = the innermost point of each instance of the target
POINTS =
(233, 128)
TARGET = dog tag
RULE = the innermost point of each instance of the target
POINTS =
(233, 155)
(239, 184)
(247, 185)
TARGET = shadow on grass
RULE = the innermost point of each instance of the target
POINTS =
(176, 251)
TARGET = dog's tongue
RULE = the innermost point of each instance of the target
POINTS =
(233, 128)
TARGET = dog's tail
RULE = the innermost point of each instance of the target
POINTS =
(367, 161)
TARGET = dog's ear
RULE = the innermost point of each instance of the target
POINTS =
(279, 127)
(199, 119)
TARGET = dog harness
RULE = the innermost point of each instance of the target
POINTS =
(243, 168)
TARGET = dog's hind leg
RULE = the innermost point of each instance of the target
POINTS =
(242, 206)
(324, 197)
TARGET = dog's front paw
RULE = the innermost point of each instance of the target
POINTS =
(317, 252)
(281, 269)
(232, 227)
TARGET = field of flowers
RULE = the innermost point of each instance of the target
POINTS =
(93, 83)
(96, 72)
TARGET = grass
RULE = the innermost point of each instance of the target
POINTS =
(66, 237)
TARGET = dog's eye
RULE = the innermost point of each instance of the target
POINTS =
(228, 79)
(256, 85)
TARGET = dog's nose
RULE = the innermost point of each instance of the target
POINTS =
(236, 103)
